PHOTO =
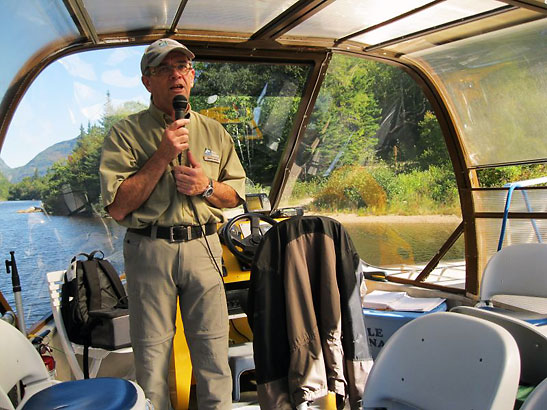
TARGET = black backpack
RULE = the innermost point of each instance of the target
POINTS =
(94, 305)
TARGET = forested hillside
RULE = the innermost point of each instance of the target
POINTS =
(41, 162)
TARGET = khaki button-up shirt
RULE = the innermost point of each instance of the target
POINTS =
(132, 141)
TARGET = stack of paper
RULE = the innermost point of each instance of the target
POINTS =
(382, 300)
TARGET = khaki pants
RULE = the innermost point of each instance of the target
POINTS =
(157, 272)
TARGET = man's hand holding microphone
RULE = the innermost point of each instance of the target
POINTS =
(190, 178)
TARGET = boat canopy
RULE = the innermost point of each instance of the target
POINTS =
(481, 63)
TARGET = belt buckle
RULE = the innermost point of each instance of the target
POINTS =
(176, 233)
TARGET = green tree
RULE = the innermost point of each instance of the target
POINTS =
(403, 105)
(4, 187)
(116, 114)
(345, 121)
(242, 90)
(430, 146)
(28, 188)
(499, 176)
(80, 171)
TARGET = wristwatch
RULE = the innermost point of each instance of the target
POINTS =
(209, 190)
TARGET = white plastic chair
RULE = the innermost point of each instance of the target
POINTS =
(96, 355)
(21, 362)
(519, 269)
(537, 400)
(532, 342)
(445, 361)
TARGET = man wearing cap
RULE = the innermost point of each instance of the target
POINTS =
(171, 247)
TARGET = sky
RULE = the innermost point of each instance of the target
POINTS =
(69, 93)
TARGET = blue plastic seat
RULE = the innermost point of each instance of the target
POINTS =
(115, 394)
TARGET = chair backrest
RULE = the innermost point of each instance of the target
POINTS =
(445, 361)
(537, 400)
(55, 282)
(531, 341)
(19, 361)
(516, 270)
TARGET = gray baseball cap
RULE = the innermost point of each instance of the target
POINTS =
(158, 50)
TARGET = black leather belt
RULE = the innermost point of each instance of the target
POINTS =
(179, 233)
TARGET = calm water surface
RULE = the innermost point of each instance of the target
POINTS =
(403, 243)
(43, 243)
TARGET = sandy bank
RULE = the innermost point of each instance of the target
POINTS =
(395, 218)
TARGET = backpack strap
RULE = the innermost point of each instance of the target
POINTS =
(115, 280)
(85, 360)
(92, 277)
(110, 271)
(70, 288)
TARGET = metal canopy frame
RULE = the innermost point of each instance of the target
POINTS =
(298, 13)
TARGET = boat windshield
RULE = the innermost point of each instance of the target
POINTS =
(257, 104)
(373, 157)
(54, 210)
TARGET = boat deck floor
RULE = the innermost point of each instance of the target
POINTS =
(248, 396)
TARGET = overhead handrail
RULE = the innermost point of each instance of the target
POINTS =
(512, 186)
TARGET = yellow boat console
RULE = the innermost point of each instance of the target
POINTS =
(240, 237)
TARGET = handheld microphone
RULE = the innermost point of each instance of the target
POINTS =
(180, 105)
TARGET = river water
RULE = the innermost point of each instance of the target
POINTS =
(44, 243)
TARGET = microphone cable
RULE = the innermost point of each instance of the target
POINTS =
(190, 199)
(180, 105)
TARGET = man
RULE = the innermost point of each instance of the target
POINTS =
(163, 204)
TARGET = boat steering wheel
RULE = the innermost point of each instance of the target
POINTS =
(244, 247)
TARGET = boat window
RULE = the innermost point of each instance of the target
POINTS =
(51, 154)
(240, 16)
(137, 14)
(28, 26)
(373, 156)
(257, 104)
(346, 17)
(440, 13)
(495, 86)
(228, 15)
(505, 191)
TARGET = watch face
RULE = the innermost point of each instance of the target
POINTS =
(209, 190)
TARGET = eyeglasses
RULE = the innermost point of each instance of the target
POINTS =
(165, 69)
